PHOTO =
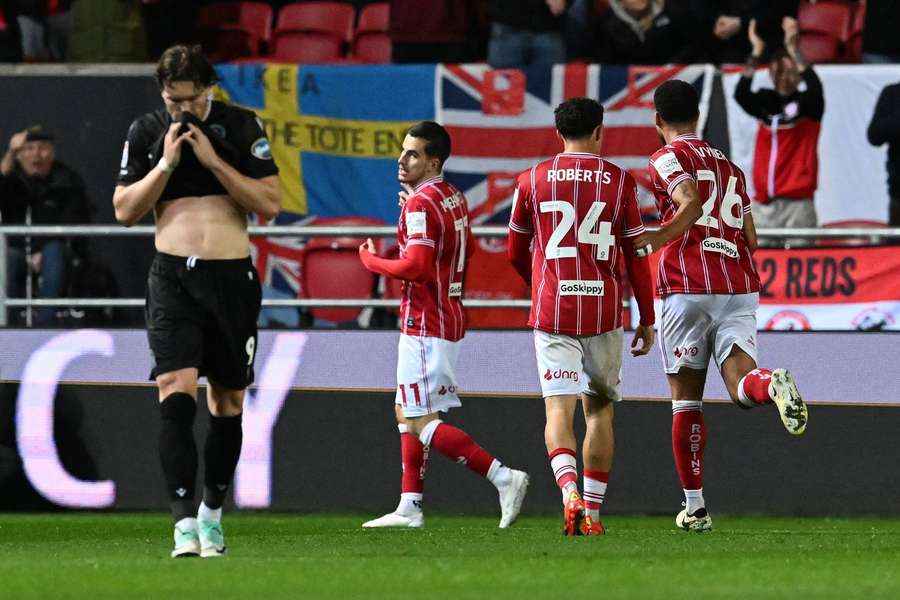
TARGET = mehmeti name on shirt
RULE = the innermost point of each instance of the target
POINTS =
(560, 175)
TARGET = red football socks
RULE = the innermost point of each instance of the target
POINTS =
(688, 442)
(456, 445)
(412, 453)
(754, 387)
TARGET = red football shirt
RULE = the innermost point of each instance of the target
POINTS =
(436, 215)
(712, 256)
(580, 209)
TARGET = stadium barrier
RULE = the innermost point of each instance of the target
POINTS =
(872, 235)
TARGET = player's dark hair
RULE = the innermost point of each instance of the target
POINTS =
(577, 118)
(185, 63)
(437, 140)
(677, 102)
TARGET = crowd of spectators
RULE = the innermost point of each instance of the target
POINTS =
(501, 32)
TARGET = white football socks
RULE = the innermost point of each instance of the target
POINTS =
(693, 500)
(410, 504)
(499, 474)
(205, 513)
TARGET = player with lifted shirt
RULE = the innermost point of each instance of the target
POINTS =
(200, 166)
(435, 244)
(709, 289)
(581, 212)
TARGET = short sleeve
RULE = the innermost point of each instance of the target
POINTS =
(257, 151)
(420, 224)
(667, 169)
(632, 225)
(520, 216)
(135, 163)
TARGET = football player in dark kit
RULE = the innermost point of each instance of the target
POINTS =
(201, 166)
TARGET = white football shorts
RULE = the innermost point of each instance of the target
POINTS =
(694, 327)
(426, 378)
(571, 365)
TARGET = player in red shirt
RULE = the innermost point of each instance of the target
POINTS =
(581, 213)
(709, 289)
(435, 242)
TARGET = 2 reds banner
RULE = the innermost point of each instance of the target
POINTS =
(827, 289)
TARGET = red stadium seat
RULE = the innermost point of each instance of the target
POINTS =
(849, 241)
(818, 48)
(306, 47)
(371, 41)
(825, 17)
(374, 18)
(330, 268)
(334, 18)
(254, 18)
(374, 48)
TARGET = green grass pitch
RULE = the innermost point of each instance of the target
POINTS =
(324, 556)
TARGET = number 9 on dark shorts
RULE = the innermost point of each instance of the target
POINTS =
(203, 314)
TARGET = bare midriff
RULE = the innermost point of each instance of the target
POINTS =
(208, 227)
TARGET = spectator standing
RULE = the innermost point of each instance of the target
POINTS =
(785, 160)
(646, 32)
(881, 44)
(45, 26)
(430, 31)
(37, 189)
(885, 128)
(527, 32)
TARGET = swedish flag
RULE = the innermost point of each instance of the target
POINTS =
(336, 131)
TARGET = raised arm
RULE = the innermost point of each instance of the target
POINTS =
(417, 266)
(743, 93)
(134, 200)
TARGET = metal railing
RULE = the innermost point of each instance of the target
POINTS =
(872, 235)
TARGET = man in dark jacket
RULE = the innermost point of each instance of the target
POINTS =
(785, 160)
(647, 32)
(37, 189)
(885, 128)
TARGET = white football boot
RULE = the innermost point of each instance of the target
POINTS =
(187, 539)
(512, 496)
(787, 398)
(699, 521)
(394, 519)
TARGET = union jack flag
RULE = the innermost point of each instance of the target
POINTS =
(501, 122)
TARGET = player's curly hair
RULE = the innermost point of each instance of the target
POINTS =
(185, 63)
(577, 118)
(437, 140)
(677, 101)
